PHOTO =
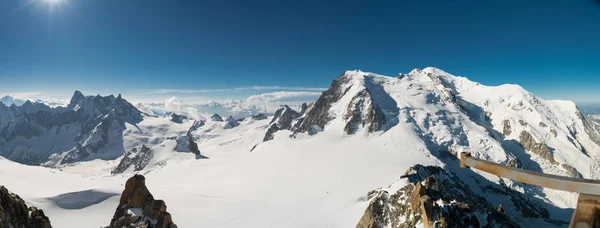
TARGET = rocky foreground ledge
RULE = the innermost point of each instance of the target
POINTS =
(15, 213)
(138, 208)
(434, 198)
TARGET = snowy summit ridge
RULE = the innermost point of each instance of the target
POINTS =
(358, 138)
(449, 115)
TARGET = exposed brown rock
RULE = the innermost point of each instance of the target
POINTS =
(15, 213)
(136, 197)
(514, 162)
(571, 171)
(541, 149)
(417, 203)
(553, 131)
(318, 113)
(523, 123)
(506, 127)
(362, 111)
(488, 115)
(542, 124)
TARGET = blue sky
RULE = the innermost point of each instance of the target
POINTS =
(135, 47)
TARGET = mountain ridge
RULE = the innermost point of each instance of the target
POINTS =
(358, 137)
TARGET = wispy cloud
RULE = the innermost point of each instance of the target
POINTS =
(260, 103)
(188, 91)
(281, 95)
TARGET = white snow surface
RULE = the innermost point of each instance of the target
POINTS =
(320, 180)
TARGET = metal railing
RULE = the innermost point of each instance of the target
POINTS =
(587, 213)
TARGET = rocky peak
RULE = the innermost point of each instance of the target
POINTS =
(138, 208)
(197, 124)
(33, 107)
(9, 100)
(15, 213)
(77, 96)
(231, 122)
(98, 105)
(363, 94)
(363, 111)
(100, 120)
(284, 116)
(186, 143)
(282, 120)
(27, 104)
(216, 117)
(6, 98)
(318, 114)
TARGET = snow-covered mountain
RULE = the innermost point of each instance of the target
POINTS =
(10, 100)
(336, 162)
(88, 128)
(49, 101)
(235, 108)
(450, 114)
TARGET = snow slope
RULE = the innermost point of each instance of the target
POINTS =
(360, 135)
(288, 183)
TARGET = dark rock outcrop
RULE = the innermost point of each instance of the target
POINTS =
(282, 120)
(435, 198)
(138, 158)
(541, 149)
(318, 114)
(216, 117)
(259, 116)
(186, 143)
(571, 171)
(15, 213)
(176, 118)
(138, 208)
(75, 99)
(197, 124)
(553, 131)
(363, 111)
(303, 108)
(270, 132)
(514, 162)
(506, 128)
(523, 123)
(230, 122)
